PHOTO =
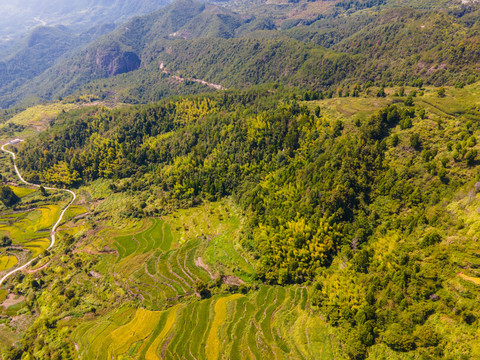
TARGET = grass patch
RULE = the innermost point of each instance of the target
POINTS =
(21, 191)
(7, 262)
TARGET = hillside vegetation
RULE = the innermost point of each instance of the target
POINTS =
(254, 180)
(241, 44)
(359, 210)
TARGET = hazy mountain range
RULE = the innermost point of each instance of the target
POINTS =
(18, 17)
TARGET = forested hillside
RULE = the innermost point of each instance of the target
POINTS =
(247, 180)
(344, 195)
(378, 42)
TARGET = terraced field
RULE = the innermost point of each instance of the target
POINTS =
(30, 225)
(157, 269)
(37, 246)
(7, 262)
(163, 267)
(271, 323)
(28, 229)
(158, 236)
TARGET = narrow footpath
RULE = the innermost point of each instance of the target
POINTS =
(54, 228)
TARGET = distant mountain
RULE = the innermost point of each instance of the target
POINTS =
(313, 44)
(20, 16)
(41, 49)
(131, 46)
(61, 28)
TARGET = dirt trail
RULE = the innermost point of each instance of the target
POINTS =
(54, 228)
(180, 79)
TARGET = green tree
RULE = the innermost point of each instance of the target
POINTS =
(8, 197)
(5, 241)
(395, 140)
(408, 101)
(43, 191)
(415, 141)
(201, 288)
(470, 157)
(431, 239)
(422, 114)
(381, 92)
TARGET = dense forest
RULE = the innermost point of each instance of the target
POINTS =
(238, 45)
(251, 179)
(317, 190)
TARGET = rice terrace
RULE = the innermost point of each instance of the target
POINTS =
(166, 270)
(236, 180)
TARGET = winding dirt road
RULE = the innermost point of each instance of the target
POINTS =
(54, 228)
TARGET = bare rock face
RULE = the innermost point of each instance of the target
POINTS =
(114, 61)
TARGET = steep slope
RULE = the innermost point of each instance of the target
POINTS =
(40, 50)
(388, 41)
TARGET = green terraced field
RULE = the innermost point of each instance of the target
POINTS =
(29, 229)
(160, 269)
(158, 236)
(272, 323)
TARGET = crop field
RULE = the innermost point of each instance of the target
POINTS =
(29, 229)
(22, 191)
(456, 102)
(272, 322)
(155, 270)
(37, 246)
(163, 262)
(37, 117)
(347, 107)
(7, 261)
(158, 236)
(29, 225)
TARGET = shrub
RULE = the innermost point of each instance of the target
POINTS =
(431, 239)
(415, 141)
(398, 341)
(8, 197)
(408, 101)
(425, 336)
(422, 114)
(395, 140)
(470, 157)
(406, 124)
